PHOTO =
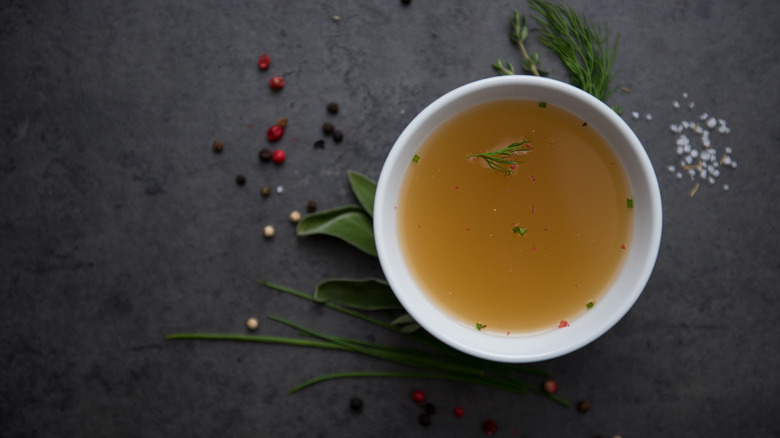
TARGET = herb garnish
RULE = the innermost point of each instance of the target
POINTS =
(354, 297)
(508, 155)
(581, 46)
(629, 203)
(584, 50)
(416, 158)
(520, 231)
(518, 35)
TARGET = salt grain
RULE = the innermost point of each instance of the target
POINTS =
(671, 168)
(676, 104)
(648, 116)
(635, 115)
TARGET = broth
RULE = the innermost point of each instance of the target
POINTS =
(517, 253)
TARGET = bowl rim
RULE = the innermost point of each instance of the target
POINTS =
(646, 228)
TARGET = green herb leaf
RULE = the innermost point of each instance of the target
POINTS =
(409, 325)
(520, 231)
(416, 158)
(629, 203)
(502, 70)
(403, 319)
(363, 294)
(349, 223)
(410, 328)
(364, 190)
(589, 305)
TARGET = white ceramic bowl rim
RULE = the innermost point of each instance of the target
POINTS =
(625, 289)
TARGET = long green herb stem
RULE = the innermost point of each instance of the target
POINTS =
(425, 339)
(442, 362)
(402, 358)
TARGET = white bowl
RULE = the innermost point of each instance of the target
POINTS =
(623, 291)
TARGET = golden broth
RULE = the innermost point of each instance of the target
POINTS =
(459, 219)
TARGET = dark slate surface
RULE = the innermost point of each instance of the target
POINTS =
(118, 225)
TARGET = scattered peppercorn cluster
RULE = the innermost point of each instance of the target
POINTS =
(328, 129)
(278, 156)
(489, 426)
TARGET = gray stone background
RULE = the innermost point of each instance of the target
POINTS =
(119, 225)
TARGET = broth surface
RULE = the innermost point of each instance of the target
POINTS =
(459, 219)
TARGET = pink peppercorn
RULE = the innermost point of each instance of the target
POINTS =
(458, 412)
(550, 386)
(490, 427)
(276, 83)
(274, 133)
(263, 62)
(418, 396)
(278, 156)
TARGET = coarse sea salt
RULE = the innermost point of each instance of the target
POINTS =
(697, 145)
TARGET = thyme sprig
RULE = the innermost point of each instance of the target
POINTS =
(504, 159)
(582, 47)
(518, 34)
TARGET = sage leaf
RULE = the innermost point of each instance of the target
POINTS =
(349, 223)
(364, 190)
(361, 294)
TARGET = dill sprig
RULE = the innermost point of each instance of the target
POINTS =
(497, 160)
(582, 47)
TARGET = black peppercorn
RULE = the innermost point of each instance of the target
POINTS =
(266, 154)
(319, 144)
(424, 419)
(583, 406)
(333, 107)
(240, 180)
(356, 404)
(406, 2)
(265, 191)
(217, 146)
(327, 128)
(338, 136)
(311, 206)
(430, 409)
